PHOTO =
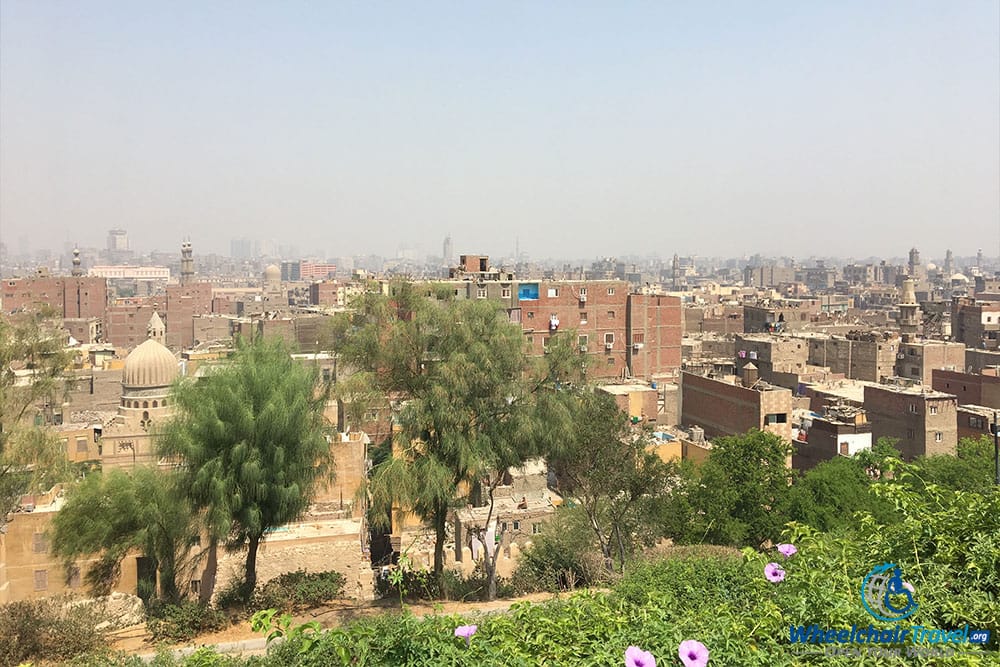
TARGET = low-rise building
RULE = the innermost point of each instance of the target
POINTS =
(922, 422)
(730, 407)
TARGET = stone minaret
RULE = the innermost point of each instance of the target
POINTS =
(156, 330)
(187, 264)
(909, 311)
(77, 269)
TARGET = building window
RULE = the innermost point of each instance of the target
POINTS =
(913, 408)
(41, 580)
(536, 528)
(609, 338)
(553, 292)
(517, 525)
(481, 293)
(638, 338)
(38, 544)
(583, 291)
(503, 527)
(582, 340)
(505, 292)
(932, 409)
(611, 314)
(531, 314)
(611, 361)
(909, 434)
(938, 436)
(583, 318)
(611, 291)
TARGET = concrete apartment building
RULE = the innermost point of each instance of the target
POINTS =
(860, 355)
(917, 360)
(722, 407)
(842, 430)
(970, 388)
(777, 316)
(922, 422)
(775, 357)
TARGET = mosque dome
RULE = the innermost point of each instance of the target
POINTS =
(272, 272)
(149, 365)
(959, 277)
(932, 266)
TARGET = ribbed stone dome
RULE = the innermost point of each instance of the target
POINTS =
(272, 272)
(149, 365)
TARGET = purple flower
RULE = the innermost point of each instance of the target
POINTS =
(636, 657)
(466, 631)
(787, 550)
(908, 586)
(774, 573)
(693, 653)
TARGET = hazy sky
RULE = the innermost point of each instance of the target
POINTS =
(585, 129)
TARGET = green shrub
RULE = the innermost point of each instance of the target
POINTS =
(564, 557)
(45, 630)
(295, 591)
(182, 621)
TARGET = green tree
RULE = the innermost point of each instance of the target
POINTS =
(113, 513)
(603, 464)
(741, 492)
(971, 469)
(33, 359)
(469, 402)
(251, 441)
(828, 496)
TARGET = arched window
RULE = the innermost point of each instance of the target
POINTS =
(145, 404)
(154, 404)
(164, 404)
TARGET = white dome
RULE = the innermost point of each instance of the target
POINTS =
(272, 272)
(960, 278)
(149, 365)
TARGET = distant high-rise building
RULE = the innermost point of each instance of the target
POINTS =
(117, 240)
(448, 251)
(241, 248)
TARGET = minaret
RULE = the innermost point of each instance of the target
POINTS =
(77, 270)
(949, 264)
(916, 268)
(156, 330)
(909, 312)
(187, 264)
(675, 269)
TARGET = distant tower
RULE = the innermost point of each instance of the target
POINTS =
(117, 240)
(909, 311)
(187, 264)
(675, 269)
(916, 268)
(979, 261)
(949, 264)
(77, 270)
(156, 330)
(448, 251)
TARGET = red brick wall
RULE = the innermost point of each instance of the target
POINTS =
(655, 322)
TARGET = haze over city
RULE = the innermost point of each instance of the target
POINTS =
(845, 129)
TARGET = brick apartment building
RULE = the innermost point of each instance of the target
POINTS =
(728, 408)
(842, 430)
(970, 388)
(868, 356)
(922, 422)
(917, 360)
(70, 296)
(975, 323)
(182, 304)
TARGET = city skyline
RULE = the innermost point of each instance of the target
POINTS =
(721, 130)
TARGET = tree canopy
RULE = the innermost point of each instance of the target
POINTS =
(250, 438)
(33, 359)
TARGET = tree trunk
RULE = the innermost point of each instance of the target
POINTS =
(250, 583)
(440, 520)
(208, 574)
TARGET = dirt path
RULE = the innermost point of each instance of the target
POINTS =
(137, 640)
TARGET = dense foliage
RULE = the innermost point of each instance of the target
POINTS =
(45, 630)
(251, 440)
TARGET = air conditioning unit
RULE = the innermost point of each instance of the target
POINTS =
(637, 346)
(583, 298)
(901, 356)
(609, 346)
(583, 348)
